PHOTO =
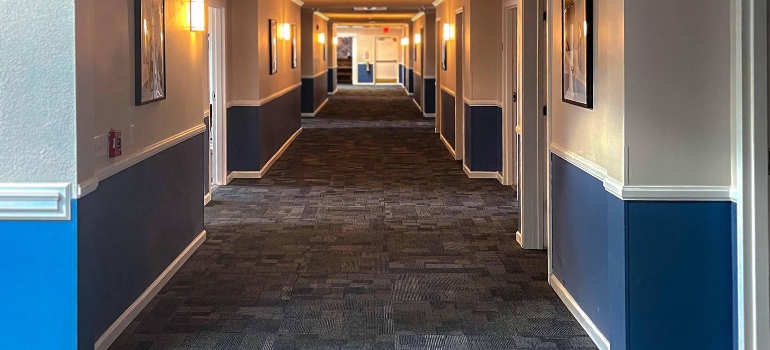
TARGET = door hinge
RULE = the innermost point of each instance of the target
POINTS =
(545, 110)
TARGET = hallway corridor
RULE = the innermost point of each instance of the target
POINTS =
(365, 234)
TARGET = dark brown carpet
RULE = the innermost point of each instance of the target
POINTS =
(366, 234)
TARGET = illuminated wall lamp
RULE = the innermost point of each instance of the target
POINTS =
(417, 39)
(197, 15)
(335, 41)
(404, 41)
(322, 38)
(285, 31)
(449, 32)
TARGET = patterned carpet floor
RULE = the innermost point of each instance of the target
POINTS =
(366, 234)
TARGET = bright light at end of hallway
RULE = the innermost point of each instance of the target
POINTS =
(405, 41)
(335, 41)
(197, 15)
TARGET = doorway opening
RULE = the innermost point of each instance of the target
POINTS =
(345, 60)
(511, 120)
(217, 146)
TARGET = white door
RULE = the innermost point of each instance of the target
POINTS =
(386, 60)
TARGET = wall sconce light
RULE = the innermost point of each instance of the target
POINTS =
(335, 41)
(449, 32)
(405, 41)
(322, 38)
(285, 31)
(417, 39)
(197, 15)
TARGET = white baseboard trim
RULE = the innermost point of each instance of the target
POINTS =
(429, 115)
(230, 178)
(596, 335)
(312, 115)
(417, 104)
(261, 173)
(130, 314)
(646, 193)
(35, 201)
(481, 174)
(207, 199)
(334, 92)
(102, 174)
(363, 84)
(448, 146)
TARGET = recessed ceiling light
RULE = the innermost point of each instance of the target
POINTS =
(369, 9)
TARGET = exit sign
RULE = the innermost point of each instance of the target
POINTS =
(386, 30)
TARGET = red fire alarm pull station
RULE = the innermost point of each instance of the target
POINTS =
(116, 150)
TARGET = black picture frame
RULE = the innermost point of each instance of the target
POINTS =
(149, 74)
(294, 53)
(578, 52)
(444, 55)
(273, 25)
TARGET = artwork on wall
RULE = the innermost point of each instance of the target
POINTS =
(150, 51)
(577, 52)
(294, 54)
(444, 55)
(273, 46)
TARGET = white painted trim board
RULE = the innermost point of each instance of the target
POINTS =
(596, 335)
(112, 333)
(263, 171)
(35, 201)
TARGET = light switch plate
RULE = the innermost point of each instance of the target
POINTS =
(101, 144)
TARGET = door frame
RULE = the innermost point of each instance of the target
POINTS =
(511, 127)
(438, 75)
(750, 69)
(218, 121)
(460, 87)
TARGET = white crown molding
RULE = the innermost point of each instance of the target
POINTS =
(112, 333)
(298, 2)
(264, 101)
(646, 193)
(437, 2)
(319, 14)
(35, 202)
(102, 174)
(417, 16)
(588, 325)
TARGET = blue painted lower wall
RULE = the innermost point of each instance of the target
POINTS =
(364, 76)
(646, 273)
(448, 117)
(410, 80)
(132, 228)
(429, 85)
(314, 92)
(38, 274)
(256, 134)
(332, 80)
(484, 138)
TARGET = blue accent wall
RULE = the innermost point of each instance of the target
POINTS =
(580, 238)
(410, 82)
(646, 272)
(484, 138)
(365, 77)
(680, 275)
(448, 118)
(38, 273)
(314, 92)
(401, 74)
(430, 96)
(132, 228)
(331, 80)
(256, 134)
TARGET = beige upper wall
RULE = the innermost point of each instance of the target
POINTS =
(283, 11)
(312, 51)
(678, 93)
(595, 134)
(109, 65)
(243, 61)
(331, 62)
(426, 51)
(365, 39)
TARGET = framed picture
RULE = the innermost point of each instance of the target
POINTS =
(294, 55)
(578, 53)
(273, 46)
(444, 55)
(150, 51)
